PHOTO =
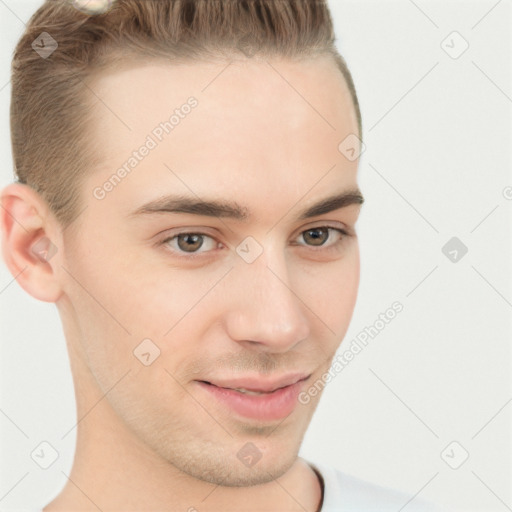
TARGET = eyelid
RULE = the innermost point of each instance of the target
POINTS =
(326, 224)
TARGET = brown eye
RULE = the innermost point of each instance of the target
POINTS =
(323, 238)
(189, 242)
(317, 236)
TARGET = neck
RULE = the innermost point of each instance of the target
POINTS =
(113, 471)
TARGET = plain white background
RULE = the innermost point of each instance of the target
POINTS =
(433, 386)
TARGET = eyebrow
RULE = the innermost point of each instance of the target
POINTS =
(233, 210)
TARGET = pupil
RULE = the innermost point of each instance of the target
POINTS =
(315, 237)
(186, 246)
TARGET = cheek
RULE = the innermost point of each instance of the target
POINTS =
(120, 301)
(104, 297)
(111, 281)
(330, 290)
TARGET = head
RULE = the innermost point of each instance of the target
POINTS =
(171, 158)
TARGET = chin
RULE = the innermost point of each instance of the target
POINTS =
(248, 476)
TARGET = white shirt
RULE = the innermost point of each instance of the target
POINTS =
(346, 493)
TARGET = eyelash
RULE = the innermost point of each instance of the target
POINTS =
(190, 256)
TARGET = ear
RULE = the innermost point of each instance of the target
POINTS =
(30, 241)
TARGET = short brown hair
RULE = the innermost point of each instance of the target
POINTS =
(49, 114)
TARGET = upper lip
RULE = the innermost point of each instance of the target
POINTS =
(254, 383)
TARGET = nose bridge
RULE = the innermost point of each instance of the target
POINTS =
(265, 308)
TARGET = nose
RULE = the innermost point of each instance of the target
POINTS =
(264, 310)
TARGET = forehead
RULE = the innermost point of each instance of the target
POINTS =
(257, 123)
(274, 93)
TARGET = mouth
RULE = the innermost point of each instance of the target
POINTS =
(249, 388)
(274, 403)
(243, 390)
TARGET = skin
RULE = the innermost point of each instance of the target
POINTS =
(149, 438)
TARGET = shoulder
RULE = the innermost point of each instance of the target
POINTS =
(344, 493)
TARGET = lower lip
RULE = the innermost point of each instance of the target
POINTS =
(267, 407)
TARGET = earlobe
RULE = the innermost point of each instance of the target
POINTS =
(29, 247)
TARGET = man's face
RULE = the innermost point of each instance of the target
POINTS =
(264, 297)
